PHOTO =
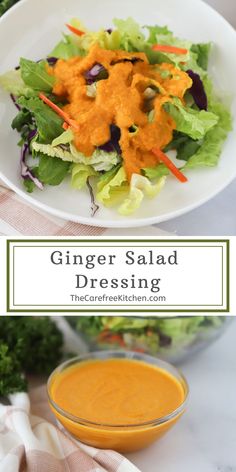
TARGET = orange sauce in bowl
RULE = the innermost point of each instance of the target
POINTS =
(117, 397)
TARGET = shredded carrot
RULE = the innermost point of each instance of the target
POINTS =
(170, 49)
(65, 126)
(168, 163)
(59, 111)
(75, 30)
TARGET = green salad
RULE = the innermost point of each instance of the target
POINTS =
(119, 111)
(172, 338)
(5, 5)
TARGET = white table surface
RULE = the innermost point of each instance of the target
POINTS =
(205, 438)
(218, 216)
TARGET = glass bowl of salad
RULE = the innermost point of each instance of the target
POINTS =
(171, 339)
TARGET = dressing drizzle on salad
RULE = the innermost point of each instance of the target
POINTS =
(131, 97)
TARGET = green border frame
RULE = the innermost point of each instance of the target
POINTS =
(121, 240)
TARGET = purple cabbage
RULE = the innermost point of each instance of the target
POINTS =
(94, 207)
(109, 30)
(25, 170)
(26, 173)
(52, 60)
(32, 134)
(113, 144)
(133, 60)
(198, 91)
(93, 74)
(15, 102)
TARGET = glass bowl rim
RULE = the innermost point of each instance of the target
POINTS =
(111, 354)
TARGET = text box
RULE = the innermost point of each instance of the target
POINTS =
(125, 275)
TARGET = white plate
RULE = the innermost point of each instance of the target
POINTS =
(32, 28)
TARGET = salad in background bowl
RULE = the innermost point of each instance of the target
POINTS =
(119, 111)
(172, 339)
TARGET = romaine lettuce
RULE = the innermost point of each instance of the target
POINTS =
(52, 151)
(112, 190)
(100, 160)
(131, 36)
(189, 121)
(156, 172)
(140, 186)
(66, 48)
(209, 152)
(65, 138)
(12, 82)
(80, 174)
(203, 51)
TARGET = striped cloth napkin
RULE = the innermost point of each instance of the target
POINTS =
(18, 217)
(31, 442)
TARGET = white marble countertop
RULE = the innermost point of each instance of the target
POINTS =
(205, 438)
(218, 216)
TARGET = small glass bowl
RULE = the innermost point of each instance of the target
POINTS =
(122, 438)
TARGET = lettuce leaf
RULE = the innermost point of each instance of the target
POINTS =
(131, 36)
(198, 56)
(100, 160)
(132, 39)
(155, 57)
(82, 43)
(203, 52)
(184, 145)
(156, 172)
(72, 46)
(139, 186)
(6, 4)
(29, 184)
(106, 177)
(105, 40)
(156, 32)
(189, 121)
(181, 330)
(52, 151)
(162, 35)
(35, 75)
(113, 188)
(49, 124)
(209, 152)
(66, 48)
(12, 82)
(211, 148)
(65, 138)
(22, 118)
(52, 171)
(80, 175)
(123, 323)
